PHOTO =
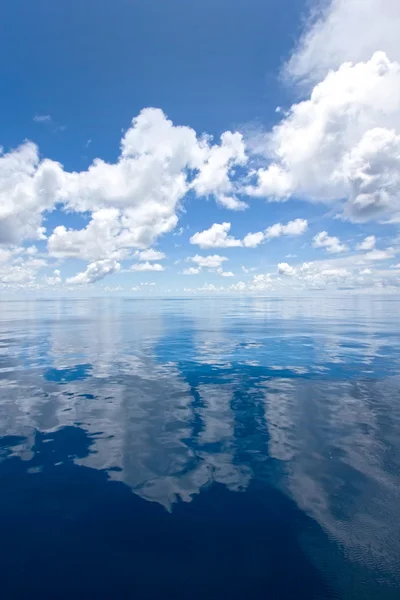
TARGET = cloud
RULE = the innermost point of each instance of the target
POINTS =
(296, 227)
(19, 267)
(223, 273)
(252, 240)
(213, 261)
(213, 178)
(345, 30)
(42, 118)
(54, 279)
(380, 254)
(102, 238)
(191, 271)
(286, 269)
(95, 271)
(261, 283)
(218, 235)
(332, 244)
(150, 254)
(248, 269)
(146, 266)
(367, 244)
(341, 143)
(315, 275)
(240, 286)
(158, 164)
(28, 187)
(215, 237)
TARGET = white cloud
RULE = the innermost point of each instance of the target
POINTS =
(191, 271)
(286, 269)
(158, 164)
(316, 275)
(207, 287)
(341, 144)
(213, 178)
(94, 272)
(146, 266)
(261, 283)
(240, 286)
(367, 244)
(213, 261)
(232, 203)
(346, 30)
(215, 237)
(19, 267)
(218, 235)
(380, 254)
(28, 188)
(54, 279)
(151, 254)
(101, 238)
(332, 244)
(252, 240)
(223, 273)
(42, 118)
(296, 227)
(248, 269)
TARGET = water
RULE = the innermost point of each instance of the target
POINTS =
(191, 449)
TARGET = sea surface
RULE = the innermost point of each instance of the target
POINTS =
(200, 449)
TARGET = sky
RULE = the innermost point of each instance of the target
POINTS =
(188, 149)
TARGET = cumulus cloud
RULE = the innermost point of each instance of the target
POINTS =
(213, 261)
(142, 191)
(331, 244)
(19, 267)
(367, 244)
(345, 30)
(286, 269)
(223, 273)
(28, 188)
(315, 275)
(252, 240)
(100, 239)
(191, 271)
(218, 235)
(147, 266)
(296, 227)
(261, 282)
(54, 279)
(215, 237)
(341, 143)
(213, 178)
(150, 254)
(240, 286)
(95, 271)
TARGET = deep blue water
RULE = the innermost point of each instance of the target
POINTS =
(200, 449)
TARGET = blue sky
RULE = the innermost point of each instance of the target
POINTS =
(204, 148)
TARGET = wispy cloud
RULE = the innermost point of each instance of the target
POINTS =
(42, 119)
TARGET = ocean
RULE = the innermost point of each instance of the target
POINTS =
(208, 448)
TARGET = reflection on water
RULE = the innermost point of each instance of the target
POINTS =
(260, 440)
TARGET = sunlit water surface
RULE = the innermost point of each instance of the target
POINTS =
(189, 449)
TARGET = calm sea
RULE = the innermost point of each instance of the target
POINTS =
(200, 449)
